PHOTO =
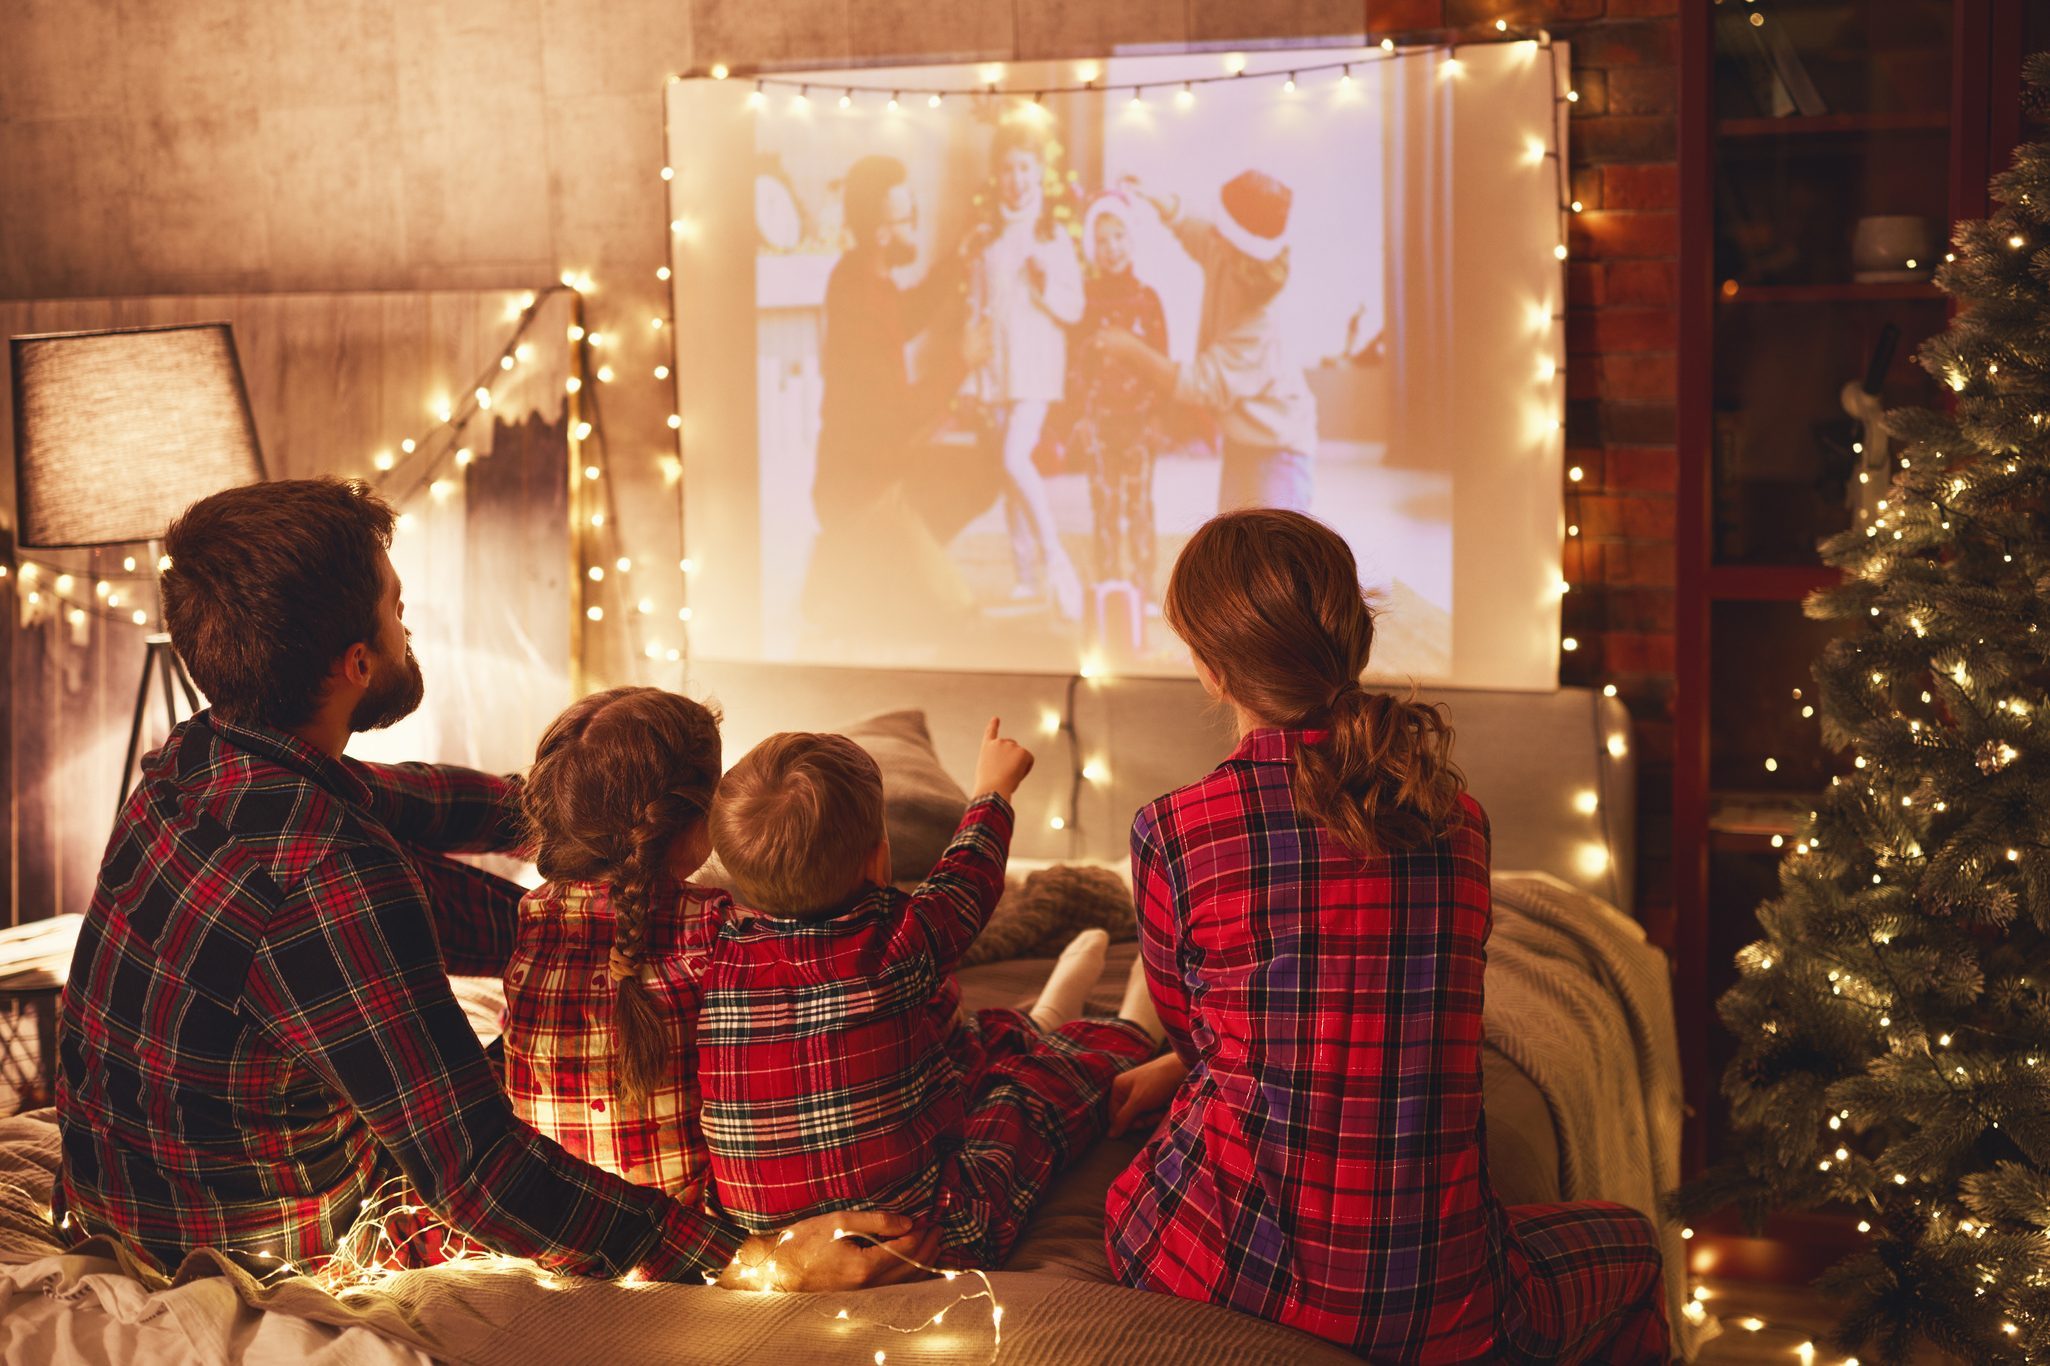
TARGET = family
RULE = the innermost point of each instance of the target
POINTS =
(776, 1086)
(1047, 335)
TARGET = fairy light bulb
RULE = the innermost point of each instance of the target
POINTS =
(893, 106)
(846, 99)
(932, 101)
(1185, 97)
(719, 71)
(1288, 86)
(757, 97)
(1138, 100)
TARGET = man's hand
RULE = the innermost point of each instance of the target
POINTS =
(825, 1253)
(1002, 765)
(1144, 1090)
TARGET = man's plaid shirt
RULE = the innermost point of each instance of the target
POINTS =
(259, 1029)
(826, 1045)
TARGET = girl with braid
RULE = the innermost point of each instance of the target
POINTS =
(602, 991)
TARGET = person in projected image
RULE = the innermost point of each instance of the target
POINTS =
(872, 413)
(1118, 421)
(876, 420)
(1024, 292)
(1242, 373)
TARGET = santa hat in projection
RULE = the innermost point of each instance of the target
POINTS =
(1255, 217)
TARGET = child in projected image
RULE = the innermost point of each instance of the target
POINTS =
(836, 1065)
(601, 993)
(1119, 408)
(1024, 292)
(1242, 372)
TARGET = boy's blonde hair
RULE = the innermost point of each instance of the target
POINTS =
(796, 821)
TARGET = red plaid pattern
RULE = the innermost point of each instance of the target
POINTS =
(259, 1029)
(558, 1030)
(1323, 1165)
(838, 1074)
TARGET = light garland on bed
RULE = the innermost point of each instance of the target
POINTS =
(373, 1253)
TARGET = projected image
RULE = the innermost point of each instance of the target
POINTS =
(1010, 353)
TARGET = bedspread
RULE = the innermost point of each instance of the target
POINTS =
(1582, 1003)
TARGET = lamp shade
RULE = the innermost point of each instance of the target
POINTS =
(117, 432)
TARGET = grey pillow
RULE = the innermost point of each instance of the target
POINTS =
(922, 805)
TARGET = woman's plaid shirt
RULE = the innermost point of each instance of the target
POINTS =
(1322, 1166)
(259, 1028)
(559, 1004)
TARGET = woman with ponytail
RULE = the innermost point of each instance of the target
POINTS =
(602, 991)
(1313, 920)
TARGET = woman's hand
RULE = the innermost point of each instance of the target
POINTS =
(823, 1253)
(1144, 1091)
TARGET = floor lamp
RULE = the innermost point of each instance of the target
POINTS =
(115, 434)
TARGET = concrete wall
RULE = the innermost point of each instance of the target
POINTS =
(185, 146)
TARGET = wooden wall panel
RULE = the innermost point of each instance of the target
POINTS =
(332, 379)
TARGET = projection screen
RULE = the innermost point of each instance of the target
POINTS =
(959, 375)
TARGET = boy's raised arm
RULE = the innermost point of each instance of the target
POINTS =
(954, 902)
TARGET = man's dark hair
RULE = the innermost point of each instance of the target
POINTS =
(865, 192)
(269, 584)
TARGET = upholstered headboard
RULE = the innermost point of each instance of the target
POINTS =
(1554, 770)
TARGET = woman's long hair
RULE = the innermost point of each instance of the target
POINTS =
(1270, 602)
(616, 779)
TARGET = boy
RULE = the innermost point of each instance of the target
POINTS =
(834, 1063)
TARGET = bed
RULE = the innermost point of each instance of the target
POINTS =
(1580, 1077)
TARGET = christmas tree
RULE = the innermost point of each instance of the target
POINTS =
(1894, 1020)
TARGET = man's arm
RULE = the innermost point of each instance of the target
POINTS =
(347, 976)
(442, 808)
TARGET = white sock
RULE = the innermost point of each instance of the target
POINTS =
(1074, 976)
(1138, 1003)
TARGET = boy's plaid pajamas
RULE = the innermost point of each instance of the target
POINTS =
(1324, 1165)
(258, 1030)
(559, 1000)
(837, 1074)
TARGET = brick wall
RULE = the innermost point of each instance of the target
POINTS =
(1621, 368)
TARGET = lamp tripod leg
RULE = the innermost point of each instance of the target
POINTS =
(163, 654)
(135, 729)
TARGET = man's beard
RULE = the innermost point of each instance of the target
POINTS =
(393, 696)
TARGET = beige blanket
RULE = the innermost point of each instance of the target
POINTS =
(1583, 1004)
(95, 1305)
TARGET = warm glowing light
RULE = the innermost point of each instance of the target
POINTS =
(1618, 746)
(661, 372)
(1559, 251)
(595, 612)
(1570, 644)
(1772, 765)
(1057, 823)
(464, 456)
(1095, 772)
(1608, 690)
(675, 421)
(1586, 801)
(591, 471)
(596, 573)
(382, 460)
(719, 71)
(1592, 860)
(1576, 474)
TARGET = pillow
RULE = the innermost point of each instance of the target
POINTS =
(922, 805)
